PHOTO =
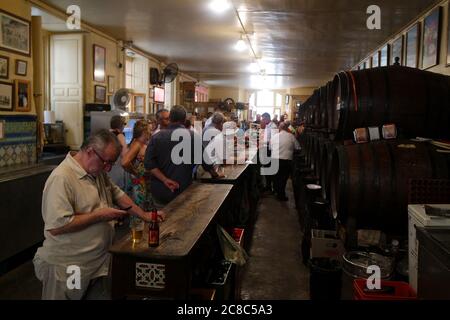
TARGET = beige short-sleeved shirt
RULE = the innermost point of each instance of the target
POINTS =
(70, 190)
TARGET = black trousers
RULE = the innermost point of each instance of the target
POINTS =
(282, 177)
(269, 185)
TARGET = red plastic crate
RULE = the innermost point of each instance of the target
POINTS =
(390, 290)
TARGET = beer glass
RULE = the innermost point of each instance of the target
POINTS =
(137, 229)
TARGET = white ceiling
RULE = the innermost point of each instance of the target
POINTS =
(302, 42)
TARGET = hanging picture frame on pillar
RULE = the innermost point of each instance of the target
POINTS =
(431, 39)
(99, 63)
(412, 46)
(397, 50)
(384, 56)
(376, 59)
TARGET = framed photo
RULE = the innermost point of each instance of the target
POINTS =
(150, 93)
(6, 96)
(376, 59)
(397, 50)
(138, 103)
(4, 67)
(431, 39)
(100, 94)
(99, 63)
(412, 46)
(111, 84)
(22, 97)
(14, 34)
(384, 56)
(21, 67)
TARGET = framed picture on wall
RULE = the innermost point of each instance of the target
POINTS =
(22, 97)
(384, 56)
(111, 84)
(138, 103)
(431, 39)
(4, 67)
(376, 59)
(21, 67)
(100, 94)
(99, 63)
(6, 96)
(14, 34)
(397, 50)
(412, 46)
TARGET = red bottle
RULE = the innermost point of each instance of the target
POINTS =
(153, 230)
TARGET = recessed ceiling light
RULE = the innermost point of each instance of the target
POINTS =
(219, 6)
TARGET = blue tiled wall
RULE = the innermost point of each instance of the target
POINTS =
(19, 143)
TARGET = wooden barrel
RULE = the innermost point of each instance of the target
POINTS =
(326, 156)
(369, 182)
(417, 101)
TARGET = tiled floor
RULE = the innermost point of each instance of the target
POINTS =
(274, 270)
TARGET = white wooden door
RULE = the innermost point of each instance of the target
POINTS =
(66, 67)
(140, 79)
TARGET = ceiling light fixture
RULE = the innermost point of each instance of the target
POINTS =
(241, 45)
(256, 60)
(219, 6)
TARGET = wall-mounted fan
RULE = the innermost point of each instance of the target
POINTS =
(121, 99)
(167, 76)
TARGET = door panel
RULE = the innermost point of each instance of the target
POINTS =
(66, 59)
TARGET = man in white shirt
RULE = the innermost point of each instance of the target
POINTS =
(218, 108)
(222, 147)
(283, 146)
(267, 125)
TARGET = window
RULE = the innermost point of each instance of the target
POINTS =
(279, 100)
(129, 73)
(264, 99)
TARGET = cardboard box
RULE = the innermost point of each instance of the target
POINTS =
(326, 244)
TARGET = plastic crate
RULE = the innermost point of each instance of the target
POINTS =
(390, 290)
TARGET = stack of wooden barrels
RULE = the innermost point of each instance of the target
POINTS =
(366, 184)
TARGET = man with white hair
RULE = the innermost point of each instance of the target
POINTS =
(222, 147)
(78, 209)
